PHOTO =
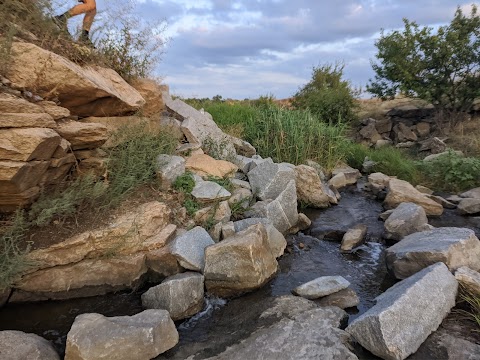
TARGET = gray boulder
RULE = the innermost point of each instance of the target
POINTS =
(312, 334)
(456, 247)
(406, 314)
(282, 211)
(239, 264)
(473, 193)
(269, 180)
(189, 248)
(209, 191)
(17, 345)
(168, 169)
(275, 238)
(322, 286)
(469, 206)
(141, 336)
(406, 219)
(181, 295)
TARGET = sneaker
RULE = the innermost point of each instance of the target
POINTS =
(85, 40)
(61, 22)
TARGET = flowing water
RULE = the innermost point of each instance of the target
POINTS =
(223, 323)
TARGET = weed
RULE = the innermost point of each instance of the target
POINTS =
(470, 302)
(184, 183)
(13, 260)
(224, 182)
(219, 150)
(239, 208)
(451, 172)
(191, 205)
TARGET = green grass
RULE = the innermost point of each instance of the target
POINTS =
(390, 161)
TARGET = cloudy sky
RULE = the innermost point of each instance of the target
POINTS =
(244, 49)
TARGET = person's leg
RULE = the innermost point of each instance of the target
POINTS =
(84, 8)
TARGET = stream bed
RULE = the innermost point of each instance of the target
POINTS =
(311, 254)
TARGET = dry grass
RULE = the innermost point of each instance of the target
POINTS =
(466, 137)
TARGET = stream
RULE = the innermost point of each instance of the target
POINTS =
(222, 323)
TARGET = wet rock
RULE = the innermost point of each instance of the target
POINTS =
(181, 295)
(407, 313)
(322, 286)
(205, 165)
(344, 299)
(17, 345)
(303, 224)
(86, 91)
(168, 169)
(161, 263)
(26, 144)
(189, 248)
(406, 219)
(239, 264)
(286, 339)
(454, 199)
(209, 191)
(469, 279)
(353, 237)
(269, 180)
(385, 215)
(338, 181)
(469, 206)
(442, 345)
(378, 181)
(276, 240)
(473, 193)
(351, 174)
(445, 203)
(456, 247)
(141, 336)
(83, 135)
(400, 191)
(310, 189)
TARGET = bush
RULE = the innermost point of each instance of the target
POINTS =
(451, 172)
(441, 67)
(327, 96)
(13, 261)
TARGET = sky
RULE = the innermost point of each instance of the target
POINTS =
(246, 49)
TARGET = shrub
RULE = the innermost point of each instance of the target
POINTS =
(441, 67)
(451, 172)
(184, 183)
(327, 95)
(13, 261)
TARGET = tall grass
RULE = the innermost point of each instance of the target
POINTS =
(295, 136)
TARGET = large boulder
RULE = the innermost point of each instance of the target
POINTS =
(12, 104)
(282, 212)
(168, 169)
(311, 190)
(276, 240)
(239, 264)
(189, 248)
(145, 229)
(269, 180)
(456, 247)
(17, 345)
(209, 191)
(181, 295)
(406, 314)
(201, 129)
(26, 144)
(87, 91)
(406, 219)
(469, 206)
(17, 120)
(83, 135)
(205, 165)
(312, 334)
(353, 237)
(89, 277)
(151, 92)
(472, 193)
(142, 336)
(400, 191)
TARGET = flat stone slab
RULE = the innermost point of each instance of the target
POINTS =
(456, 247)
(322, 286)
(189, 248)
(407, 313)
(406, 219)
(209, 191)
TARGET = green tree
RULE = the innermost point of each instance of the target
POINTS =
(327, 95)
(441, 67)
